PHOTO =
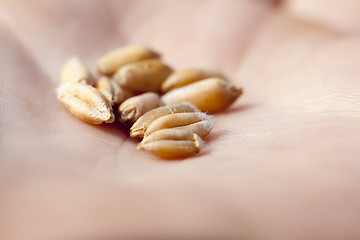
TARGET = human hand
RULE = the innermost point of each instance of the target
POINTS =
(281, 163)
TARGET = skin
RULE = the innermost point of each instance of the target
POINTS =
(281, 163)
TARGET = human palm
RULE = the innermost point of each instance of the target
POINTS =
(281, 163)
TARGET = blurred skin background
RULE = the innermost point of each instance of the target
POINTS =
(282, 163)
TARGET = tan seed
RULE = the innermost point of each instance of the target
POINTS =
(112, 61)
(112, 91)
(140, 126)
(173, 148)
(176, 120)
(143, 76)
(74, 70)
(186, 76)
(169, 134)
(85, 102)
(202, 129)
(209, 95)
(133, 108)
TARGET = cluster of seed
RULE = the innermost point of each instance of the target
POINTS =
(167, 109)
